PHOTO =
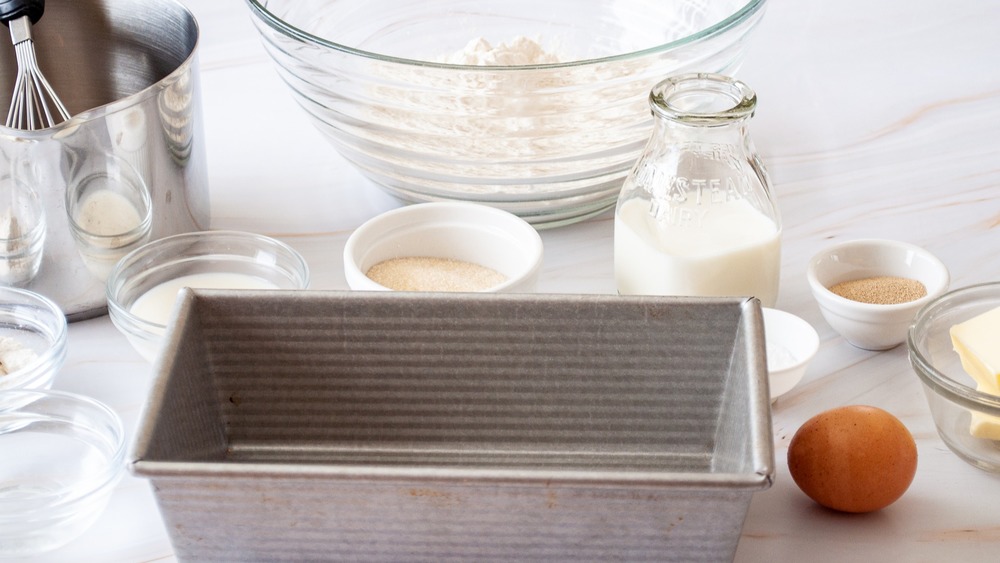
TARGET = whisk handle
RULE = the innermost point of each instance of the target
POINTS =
(10, 10)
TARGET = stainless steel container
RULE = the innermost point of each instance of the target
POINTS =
(127, 168)
(371, 426)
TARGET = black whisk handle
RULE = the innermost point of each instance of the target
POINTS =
(10, 10)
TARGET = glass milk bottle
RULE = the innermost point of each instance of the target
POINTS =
(696, 215)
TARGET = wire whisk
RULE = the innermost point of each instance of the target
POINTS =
(34, 103)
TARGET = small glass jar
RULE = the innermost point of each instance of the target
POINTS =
(696, 215)
(22, 230)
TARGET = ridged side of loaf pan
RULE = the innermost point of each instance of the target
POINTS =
(457, 427)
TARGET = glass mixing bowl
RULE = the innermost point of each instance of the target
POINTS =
(402, 92)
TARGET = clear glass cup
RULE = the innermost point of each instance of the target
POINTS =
(696, 215)
(22, 230)
(110, 214)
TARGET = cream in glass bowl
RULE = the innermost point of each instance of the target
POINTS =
(143, 286)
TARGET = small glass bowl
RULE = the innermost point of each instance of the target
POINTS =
(62, 455)
(468, 232)
(33, 333)
(213, 259)
(951, 393)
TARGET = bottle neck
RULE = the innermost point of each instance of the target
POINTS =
(703, 100)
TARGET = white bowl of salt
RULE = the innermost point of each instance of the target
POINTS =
(791, 344)
(444, 246)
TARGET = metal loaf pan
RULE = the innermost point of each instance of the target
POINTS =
(371, 426)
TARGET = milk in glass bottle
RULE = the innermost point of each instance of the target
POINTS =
(696, 215)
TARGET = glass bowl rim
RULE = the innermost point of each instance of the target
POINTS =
(933, 377)
(745, 12)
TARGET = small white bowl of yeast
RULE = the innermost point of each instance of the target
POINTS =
(444, 246)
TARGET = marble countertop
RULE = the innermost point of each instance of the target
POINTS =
(875, 119)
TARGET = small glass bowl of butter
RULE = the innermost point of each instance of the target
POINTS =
(143, 286)
(953, 350)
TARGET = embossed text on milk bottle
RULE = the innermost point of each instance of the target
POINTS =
(696, 215)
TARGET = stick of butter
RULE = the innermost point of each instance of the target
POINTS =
(977, 342)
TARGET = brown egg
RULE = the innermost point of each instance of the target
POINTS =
(853, 459)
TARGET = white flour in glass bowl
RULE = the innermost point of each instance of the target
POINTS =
(519, 51)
